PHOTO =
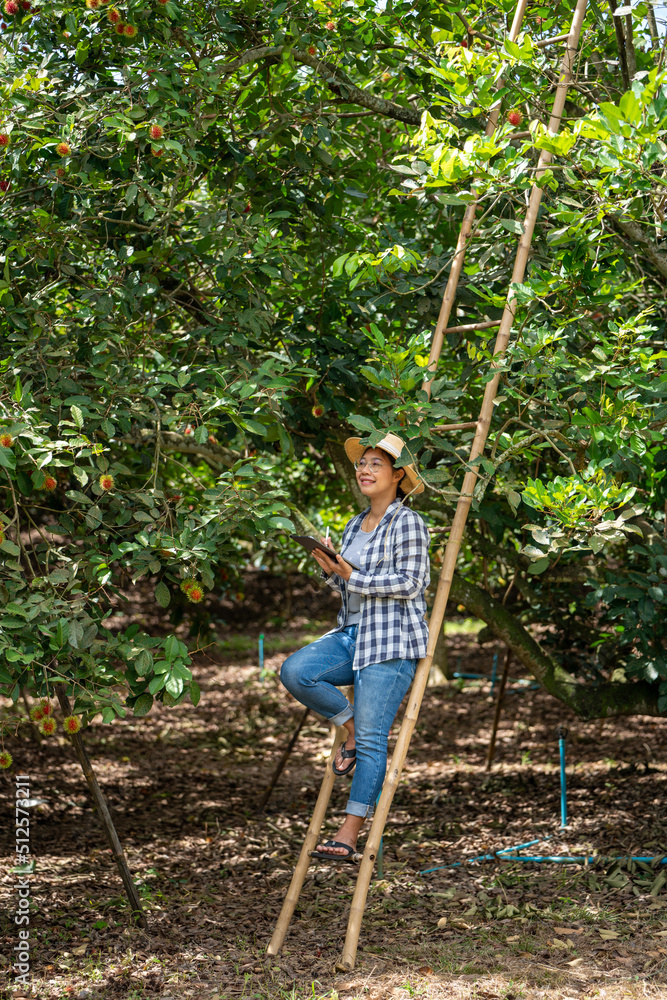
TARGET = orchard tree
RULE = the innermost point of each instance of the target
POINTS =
(225, 232)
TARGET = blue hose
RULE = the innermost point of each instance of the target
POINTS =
(561, 732)
(485, 857)
(582, 860)
(494, 670)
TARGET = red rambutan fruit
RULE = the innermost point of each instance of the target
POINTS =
(36, 714)
(156, 132)
(195, 594)
(46, 707)
(6, 440)
(11, 7)
(5, 759)
(63, 149)
(130, 30)
(47, 726)
(72, 724)
(515, 117)
(317, 411)
(106, 481)
(4, 140)
(113, 15)
(49, 484)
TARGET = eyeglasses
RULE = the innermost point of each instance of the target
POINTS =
(373, 465)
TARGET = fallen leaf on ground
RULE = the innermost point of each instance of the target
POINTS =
(511, 940)
(562, 944)
(442, 922)
(608, 935)
(575, 962)
(568, 930)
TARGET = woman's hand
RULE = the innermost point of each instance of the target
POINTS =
(333, 565)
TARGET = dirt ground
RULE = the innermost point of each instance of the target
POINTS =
(184, 784)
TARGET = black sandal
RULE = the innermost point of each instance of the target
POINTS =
(350, 854)
(346, 754)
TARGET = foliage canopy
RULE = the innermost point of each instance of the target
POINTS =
(224, 233)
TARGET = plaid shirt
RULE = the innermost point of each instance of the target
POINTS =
(394, 574)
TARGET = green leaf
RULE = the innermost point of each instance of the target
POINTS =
(162, 594)
(174, 685)
(77, 416)
(142, 705)
(75, 634)
(156, 683)
(195, 692)
(283, 523)
(144, 661)
(7, 458)
(361, 423)
(539, 566)
(94, 517)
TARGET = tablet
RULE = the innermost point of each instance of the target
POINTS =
(311, 543)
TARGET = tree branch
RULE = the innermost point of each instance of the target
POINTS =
(335, 78)
(638, 235)
(590, 701)
(213, 454)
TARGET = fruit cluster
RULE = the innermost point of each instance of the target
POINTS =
(43, 714)
(193, 590)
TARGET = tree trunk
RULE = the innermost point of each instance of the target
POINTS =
(600, 701)
(345, 470)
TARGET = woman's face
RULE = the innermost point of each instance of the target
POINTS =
(376, 475)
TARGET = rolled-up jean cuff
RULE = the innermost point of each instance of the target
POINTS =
(342, 716)
(358, 809)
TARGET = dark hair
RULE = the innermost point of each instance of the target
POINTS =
(400, 494)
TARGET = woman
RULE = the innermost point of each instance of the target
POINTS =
(381, 630)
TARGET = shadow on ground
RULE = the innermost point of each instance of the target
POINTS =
(183, 786)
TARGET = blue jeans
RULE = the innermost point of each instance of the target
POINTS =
(313, 675)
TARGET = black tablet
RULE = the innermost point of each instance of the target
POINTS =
(311, 543)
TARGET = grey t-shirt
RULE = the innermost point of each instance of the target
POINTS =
(353, 551)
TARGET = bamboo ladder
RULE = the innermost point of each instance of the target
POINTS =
(348, 956)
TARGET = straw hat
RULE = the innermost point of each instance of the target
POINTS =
(393, 445)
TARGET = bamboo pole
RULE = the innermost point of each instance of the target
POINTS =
(452, 549)
(309, 844)
(464, 235)
(455, 427)
(486, 324)
(281, 763)
(103, 811)
(499, 706)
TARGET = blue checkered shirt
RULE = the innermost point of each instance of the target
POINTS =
(394, 574)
